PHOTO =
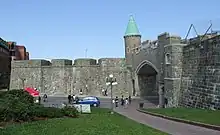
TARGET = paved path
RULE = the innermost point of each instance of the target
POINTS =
(170, 127)
(105, 102)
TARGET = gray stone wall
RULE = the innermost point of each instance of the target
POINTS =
(147, 86)
(61, 77)
(173, 69)
(148, 52)
(201, 70)
(26, 73)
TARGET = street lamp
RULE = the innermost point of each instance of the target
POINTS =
(111, 80)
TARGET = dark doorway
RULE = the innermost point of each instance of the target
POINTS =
(133, 85)
(147, 78)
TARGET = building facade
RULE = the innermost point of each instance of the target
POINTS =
(5, 65)
(27, 56)
(18, 52)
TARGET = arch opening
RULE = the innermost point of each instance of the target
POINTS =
(147, 81)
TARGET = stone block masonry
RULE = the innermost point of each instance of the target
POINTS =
(61, 77)
(200, 86)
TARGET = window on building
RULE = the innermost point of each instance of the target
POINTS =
(128, 50)
(167, 58)
(12, 53)
(137, 49)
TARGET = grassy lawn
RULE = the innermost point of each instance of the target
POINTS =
(100, 122)
(198, 115)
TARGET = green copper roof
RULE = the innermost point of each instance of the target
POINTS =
(132, 28)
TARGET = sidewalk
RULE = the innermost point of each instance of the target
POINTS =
(168, 126)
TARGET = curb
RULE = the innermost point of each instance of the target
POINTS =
(209, 126)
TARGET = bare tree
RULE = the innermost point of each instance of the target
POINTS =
(22, 80)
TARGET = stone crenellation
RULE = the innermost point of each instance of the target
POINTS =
(62, 76)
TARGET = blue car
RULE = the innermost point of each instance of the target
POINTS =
(93, 101)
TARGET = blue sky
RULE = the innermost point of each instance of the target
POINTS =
(64, 29)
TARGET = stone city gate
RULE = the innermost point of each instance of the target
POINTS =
(155, 65)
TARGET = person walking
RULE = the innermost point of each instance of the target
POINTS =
(80, 92)
(74, 99)
(45, 97)
(77, 100)
(166, 102)
(122, 100)
(69, 98)
(126, 103)
(113, 101)
(106, 93)
(103, 92)
(116, 101)
(39, 99)
(129, 99)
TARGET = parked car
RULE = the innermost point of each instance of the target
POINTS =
(93, 101)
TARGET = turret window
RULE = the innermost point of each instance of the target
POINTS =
(128, 50)
(137, 49)
(167, 58)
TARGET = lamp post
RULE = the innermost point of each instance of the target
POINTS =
(86, 89)
(111, 81)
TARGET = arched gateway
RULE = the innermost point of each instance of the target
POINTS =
(147, 75)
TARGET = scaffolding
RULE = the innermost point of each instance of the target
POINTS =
(208, 33)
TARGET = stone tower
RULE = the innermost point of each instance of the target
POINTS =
(173, 65)
(132, 39)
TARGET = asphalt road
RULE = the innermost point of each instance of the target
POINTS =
(57, 101)
(104, 102)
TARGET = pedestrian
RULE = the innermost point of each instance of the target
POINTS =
(122, 100)
(74, 98)
(106, 94)
(80, 92)
(103, 92)
(116, 101)
(129, 99)
(166, 102)
(39, 99)
(77, 99)
(69, 98)
(45, 97)
(113, 101)
(126, 103)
